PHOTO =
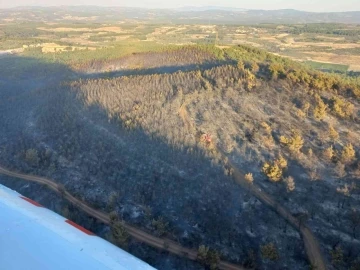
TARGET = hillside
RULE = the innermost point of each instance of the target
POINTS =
(155, 135)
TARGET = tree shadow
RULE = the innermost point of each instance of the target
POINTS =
(168, 69)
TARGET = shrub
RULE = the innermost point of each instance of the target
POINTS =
(270, 252)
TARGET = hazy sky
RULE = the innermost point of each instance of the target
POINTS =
(309, 5)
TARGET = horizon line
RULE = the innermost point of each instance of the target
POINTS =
(213, 8)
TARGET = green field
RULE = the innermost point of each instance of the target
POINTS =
(328, 66)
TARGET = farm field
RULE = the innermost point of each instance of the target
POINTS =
(324, 43)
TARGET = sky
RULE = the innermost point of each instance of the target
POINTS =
(307, 5)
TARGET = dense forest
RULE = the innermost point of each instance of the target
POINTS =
(150, 135)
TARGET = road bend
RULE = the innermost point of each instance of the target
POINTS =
(141, 236)
(311, 244)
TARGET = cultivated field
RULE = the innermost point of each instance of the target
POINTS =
(320, 44)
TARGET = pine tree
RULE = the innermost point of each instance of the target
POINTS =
(329, 153)
(348, 153)
(273, 172)
(320, 110)
(334, 135)
(290, 183)
(249, 178)
(270, 252)
(32, 157)
(281, 162)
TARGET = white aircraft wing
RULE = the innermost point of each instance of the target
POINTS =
(35, 238)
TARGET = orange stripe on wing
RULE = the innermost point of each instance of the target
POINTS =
(79, 227)
(31, 201)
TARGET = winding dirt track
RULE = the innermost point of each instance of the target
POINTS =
(141, 236)
(311, 244)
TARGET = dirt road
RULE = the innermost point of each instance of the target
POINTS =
(141, 236)
(311, 244)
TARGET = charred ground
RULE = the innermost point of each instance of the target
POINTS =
(131, 141)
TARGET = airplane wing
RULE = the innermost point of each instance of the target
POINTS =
(35, 238)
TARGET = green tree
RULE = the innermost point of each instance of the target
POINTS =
(337, 256)
(270, 252)
(334, 135)
(250, 80)
(329, 153)
(112, 201)
(276, 70)
(348, 153)
(32, 157)
(320, 110)
(208, 257)
(202, 253)
(160, 226)
(294, 143)
(290, 183)
(342, 107)
(281, 162)
(249, 178)
(254, 67)
(272, 171)
(118, 231)
(241, 65)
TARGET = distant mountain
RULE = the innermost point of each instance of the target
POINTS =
(206, 8)
(212, 14)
